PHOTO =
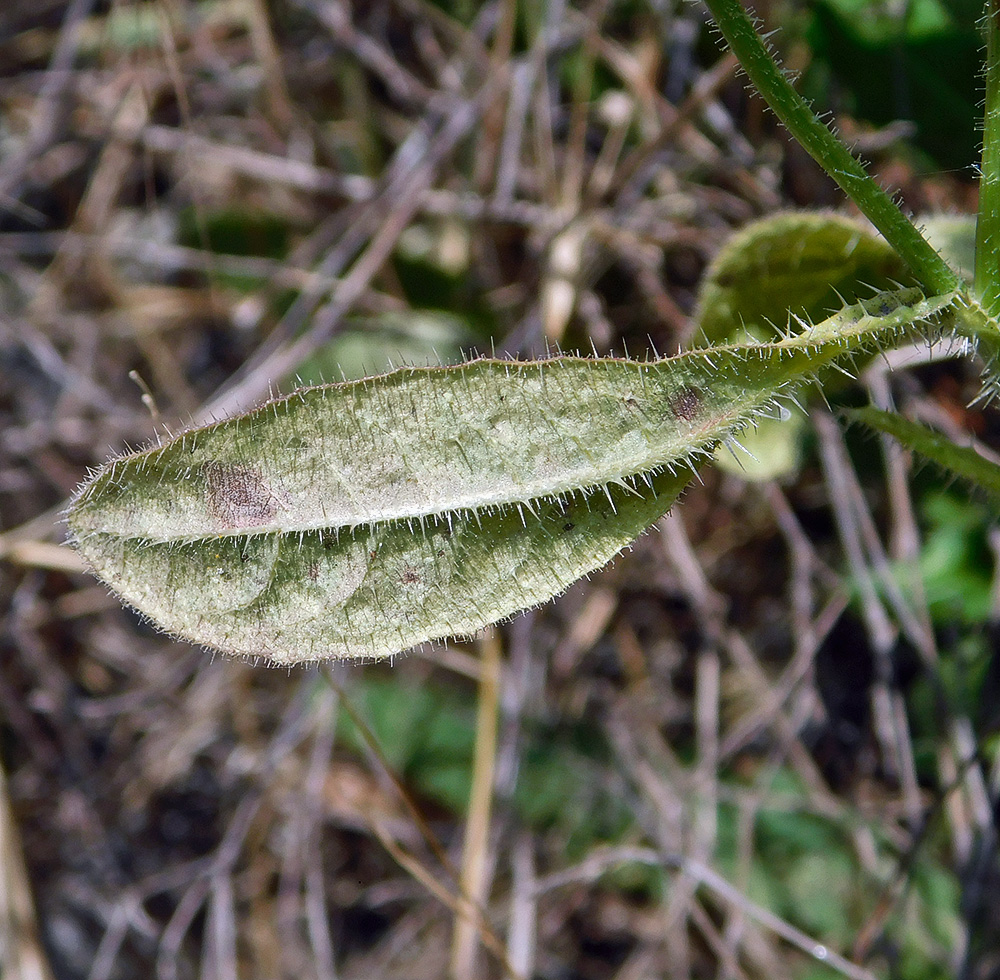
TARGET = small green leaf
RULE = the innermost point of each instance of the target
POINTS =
(793, 263)
(757, 60)
(355, 520)
(963, 461)
(957, 571)
(376, 345)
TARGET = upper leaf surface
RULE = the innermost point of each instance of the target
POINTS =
(421, 442)
(799, 263)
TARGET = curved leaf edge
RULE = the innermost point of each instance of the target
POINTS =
(901, 317)
(839, 339)
(665, 488)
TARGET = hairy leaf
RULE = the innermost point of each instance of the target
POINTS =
(357, 519)
(791, 263)
(772, 447)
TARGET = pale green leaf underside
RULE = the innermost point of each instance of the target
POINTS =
(378, 589)
(355, 520)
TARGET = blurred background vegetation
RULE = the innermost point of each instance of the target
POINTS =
(762, 744)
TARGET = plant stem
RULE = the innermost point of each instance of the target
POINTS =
(987, 276)
(738, 29)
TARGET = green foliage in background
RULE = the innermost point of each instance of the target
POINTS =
(803, 865)
(918, 61)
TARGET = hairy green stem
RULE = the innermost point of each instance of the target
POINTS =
(987, 276)
(818, 140)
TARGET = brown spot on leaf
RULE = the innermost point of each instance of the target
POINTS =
(239, 496)
(685, 404)
(410, 576)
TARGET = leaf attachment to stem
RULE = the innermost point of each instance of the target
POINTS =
(355, 520)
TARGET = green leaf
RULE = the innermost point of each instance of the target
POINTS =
(793, 263)
(877, 25)
(756, 59)
(426, 733)
(963, 461)
(358, 519)
(788, 264)
(375, 345)
(957, 572)
(920, 61)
